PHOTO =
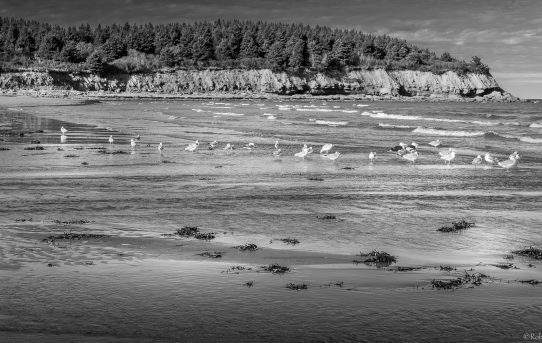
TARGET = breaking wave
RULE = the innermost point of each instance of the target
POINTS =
(331, 123)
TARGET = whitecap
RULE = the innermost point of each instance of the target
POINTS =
(314, 109)
(453, 133)
(536, 125)
(532, 140)
(229, 114)
(331, 123)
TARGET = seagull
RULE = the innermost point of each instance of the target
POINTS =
(372, 156)
(490, 159)
(304, 151)
(449, 157)
(277, 152)
(111, 140)
(477, 160)
(160, 147)
(398, 148)
(309, 151)
(514, 154)
(277, 144)
(63, 130)
(138, 137)
(510, 163)
(435, 143)
(250, 146)
(411, 157)
(213, 145)
(334, 156)
(326, 148)
(133, 143)
(228, 147)
(192, 146)
(413, 146)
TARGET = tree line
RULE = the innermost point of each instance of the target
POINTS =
(134, 48)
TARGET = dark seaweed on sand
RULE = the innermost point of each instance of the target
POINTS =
(193, 231)
(296, 287)
(292, 241)
(376, 257)
(530, 282)
(247, 247)
(73, 221)
(531, 252)
(276, 268)
(73, 236)
(215, 254)
(117, 152)
(3, 149)
(467, 279)
(327, 217)
(34, 148)
(314, 178)
(456, 226)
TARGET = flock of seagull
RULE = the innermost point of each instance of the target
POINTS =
(410, 153)
(406, 152)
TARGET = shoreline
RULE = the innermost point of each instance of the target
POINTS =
(101, 95)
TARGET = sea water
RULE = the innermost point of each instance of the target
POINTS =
(388, 204)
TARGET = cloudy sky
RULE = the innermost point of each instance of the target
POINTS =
(506, 34)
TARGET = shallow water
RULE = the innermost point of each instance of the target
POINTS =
(249, 196)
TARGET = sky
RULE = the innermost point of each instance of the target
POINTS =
(506, 34)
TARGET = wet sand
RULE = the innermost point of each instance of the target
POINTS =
(140, 287)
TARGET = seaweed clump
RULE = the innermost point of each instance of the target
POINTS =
(379, 258)
(296, 286)
(276, 268)
(72, 236)
(467, 279)
(327, 217)
(531, 252)
(34, 148)
(193, 231)
(456, 226)
(291, 241)
(74, 221)
(247, 247)
(211, 254)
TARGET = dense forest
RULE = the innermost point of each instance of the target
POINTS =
(131, 48)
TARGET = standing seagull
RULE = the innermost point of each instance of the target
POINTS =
(334, 156)
(372, 156)
(411, 157)
(277, 153)
(228, 147)
(326, 148)
(138, 137)
(477, 160)
(490, 159)
(435, 143)
(192, 146)
(133, 143)
(449, 157)
(111, 140)
(510, 163)
(63, 130)
(160, 147)
(213, 145)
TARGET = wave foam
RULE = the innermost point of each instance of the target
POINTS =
(331, 123)
(532, 140)
(229, 114)
(536, 125)
(395, 127)
(452, 133)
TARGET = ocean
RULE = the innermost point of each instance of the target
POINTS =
(250, 196)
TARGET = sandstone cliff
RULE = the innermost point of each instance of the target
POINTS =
(374, 82)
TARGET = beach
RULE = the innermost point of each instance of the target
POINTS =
(126, 276)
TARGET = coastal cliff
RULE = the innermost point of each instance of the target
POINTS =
(374, 83)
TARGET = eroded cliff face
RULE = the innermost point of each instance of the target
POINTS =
(374, 82)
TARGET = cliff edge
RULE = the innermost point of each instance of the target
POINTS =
(377, 83)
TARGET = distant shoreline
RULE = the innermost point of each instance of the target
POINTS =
(101, 95)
